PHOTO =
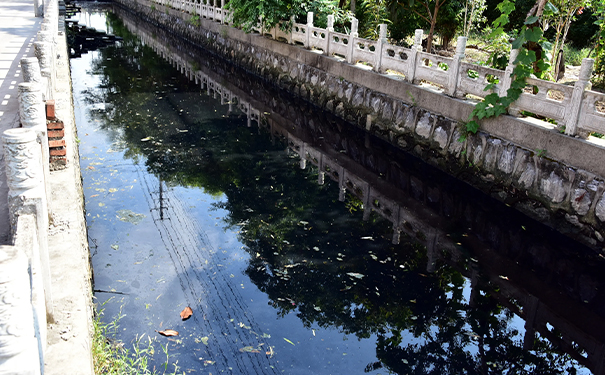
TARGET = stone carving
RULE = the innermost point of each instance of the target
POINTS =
(18, 345)
(22, 156)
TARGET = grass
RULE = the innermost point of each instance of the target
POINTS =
(574, 56)
(113, 358)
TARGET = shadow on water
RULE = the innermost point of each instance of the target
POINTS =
(211, 189)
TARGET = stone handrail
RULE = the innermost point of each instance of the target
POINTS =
(577, 113)
(26, 303)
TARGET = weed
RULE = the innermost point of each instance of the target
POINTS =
(111, 357)
(414, 104)
(195, 21)
(541, 152)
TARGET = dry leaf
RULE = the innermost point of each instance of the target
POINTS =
(186, 313)
(168, 332)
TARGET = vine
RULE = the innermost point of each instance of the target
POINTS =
(529, 41)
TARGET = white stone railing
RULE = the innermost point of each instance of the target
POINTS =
(26, 303)
(579, 112)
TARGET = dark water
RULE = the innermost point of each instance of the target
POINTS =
(195, 196)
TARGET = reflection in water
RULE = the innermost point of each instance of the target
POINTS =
(428, 274)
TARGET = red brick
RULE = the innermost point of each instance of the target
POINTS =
(56, 133)
(55, 125)
(50, 109)
(58, 152)
(58, 143)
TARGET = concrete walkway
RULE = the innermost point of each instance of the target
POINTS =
(18, 28)
(68, 348)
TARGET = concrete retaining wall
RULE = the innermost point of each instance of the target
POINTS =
(555, 178)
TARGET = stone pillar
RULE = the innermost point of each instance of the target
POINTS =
(572, 113)
(351, 46)
(508, 72)
(382, 39)
(18, 345)
(413, 58)
(33, 116)
(309, 27)
(38, 8)
(453, 73)
(329, 32)
(43, 51)
(30, 69)
(26, 195)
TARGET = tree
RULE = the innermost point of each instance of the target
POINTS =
(428, 10)
(473, 12)
(567, 10)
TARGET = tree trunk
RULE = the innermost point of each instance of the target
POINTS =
(353, 6)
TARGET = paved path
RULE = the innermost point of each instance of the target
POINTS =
(18, 28)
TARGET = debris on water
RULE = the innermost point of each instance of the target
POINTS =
(355, 274)
(288, 341)
(146, 139)
(129, 216)
(249, 349)
(115, 247)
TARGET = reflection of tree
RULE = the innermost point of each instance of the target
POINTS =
(311, 254)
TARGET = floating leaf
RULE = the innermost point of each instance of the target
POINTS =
(146, 139)
(288, 341)
(186, 313)
(115, 247)
(113, 190)
(168, 332)
(205, 340)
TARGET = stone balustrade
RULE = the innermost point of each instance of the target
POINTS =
(26, 303)
(575, 109)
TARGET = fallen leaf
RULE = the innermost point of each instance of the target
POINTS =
(288, 341)
(168, 332)
(186, 313)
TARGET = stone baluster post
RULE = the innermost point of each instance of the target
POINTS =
(26, 194)
(30, 69)
(18, 345)
(453, 73)
(44, 51)
(507, 79)
(572, 113)
(33, 116)
(413, 58)
(382, 40)
(223, 12)
(351, 46)
(309, 27)
(329, 32)
(38, 8)
(508, 72)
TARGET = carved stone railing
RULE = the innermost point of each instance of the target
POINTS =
(26, 303)
(579, 112)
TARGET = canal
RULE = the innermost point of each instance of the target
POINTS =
(301, 244)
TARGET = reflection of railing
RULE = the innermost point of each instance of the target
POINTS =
(378, 196)
(579, 111)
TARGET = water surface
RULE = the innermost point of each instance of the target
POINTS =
(208, 188)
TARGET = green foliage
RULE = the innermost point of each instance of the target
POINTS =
(322, 8)
(526, 62)
(370, 14)
(599, 69)
(248, 14)
(195, 21)
(574, 56)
